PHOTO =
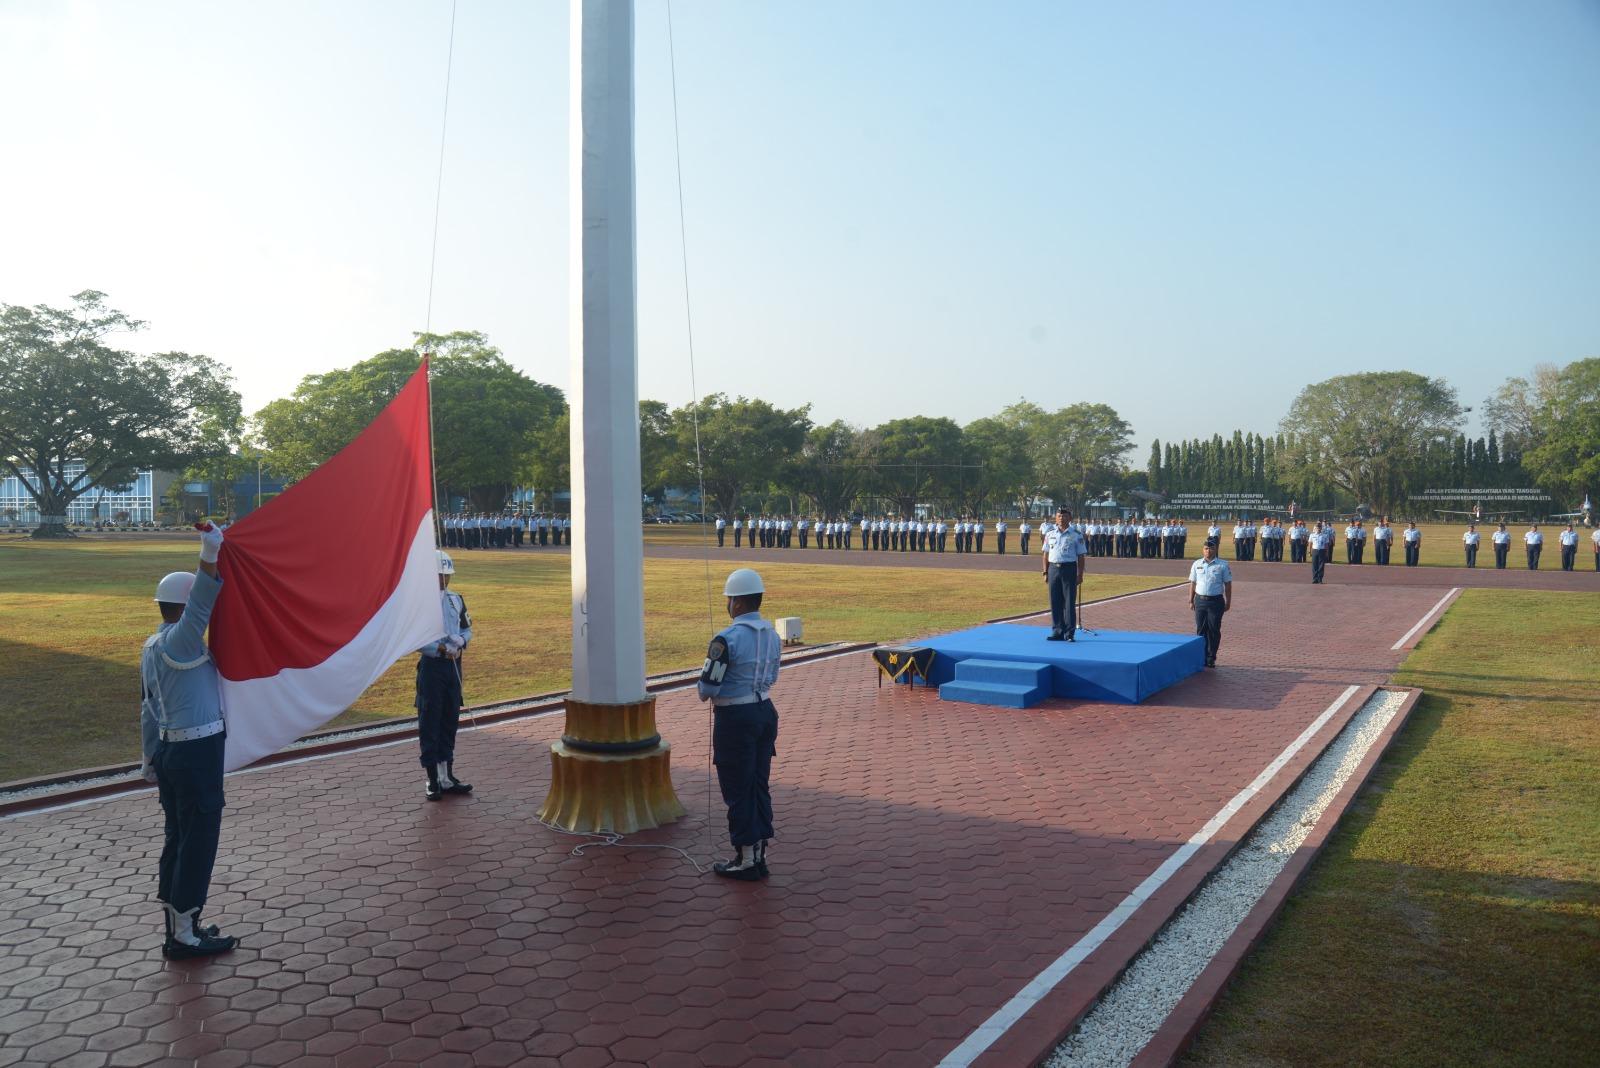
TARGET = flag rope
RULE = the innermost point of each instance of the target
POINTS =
(694, 405)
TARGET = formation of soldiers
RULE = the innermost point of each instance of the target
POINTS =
(1268, 538)
(505, 530)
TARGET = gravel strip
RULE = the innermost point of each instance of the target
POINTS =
(1125, 1020)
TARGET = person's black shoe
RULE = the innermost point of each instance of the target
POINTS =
(208, 946)
(1069, 638)
(453, 785)
(745, 869)
(1054, 637)
(434, 791)
(761, 859)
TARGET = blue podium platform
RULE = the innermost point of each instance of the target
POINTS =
(1123, 666)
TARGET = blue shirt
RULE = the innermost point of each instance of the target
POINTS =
(1062, 545)
(456, 628)
(180, 682)
(742, 661)
(1209, 576)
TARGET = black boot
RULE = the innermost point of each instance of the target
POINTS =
(453, 785)
(193, 942)
(209, 931)
(434, 792)
(741, 867)
(761, 857)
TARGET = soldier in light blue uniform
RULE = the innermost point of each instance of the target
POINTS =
(183, 732)
(741, 667)
(439, 697)
(1065, 554)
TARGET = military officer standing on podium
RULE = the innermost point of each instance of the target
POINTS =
(741, 667)
(1210, 595)
(183, 733)
(1064, 557)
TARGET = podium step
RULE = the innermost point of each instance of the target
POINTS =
(993, 693)
(1006, 672)
(1005, 683)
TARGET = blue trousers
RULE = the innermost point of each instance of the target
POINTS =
(1063, 582)
(438, 708)
(189, 782)
(1208, 623)
(1319, 559)
(744, 739)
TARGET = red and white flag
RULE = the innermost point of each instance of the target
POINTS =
(329, 584)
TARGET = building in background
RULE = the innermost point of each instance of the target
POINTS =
(136, 502)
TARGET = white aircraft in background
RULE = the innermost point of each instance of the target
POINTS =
(1585, 513)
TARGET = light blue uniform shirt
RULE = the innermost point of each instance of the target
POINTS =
(1063, 545)
(753, 651)
(456, 630)
(179, 679)
(1210, 577)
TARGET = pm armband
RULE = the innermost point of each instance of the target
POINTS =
(716, 665)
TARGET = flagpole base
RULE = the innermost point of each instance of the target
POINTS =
(611, 771)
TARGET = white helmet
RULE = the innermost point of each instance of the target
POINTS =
(742, 583)
(174, 589)
(447, 566)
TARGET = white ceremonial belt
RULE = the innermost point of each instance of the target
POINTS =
(747, 699)
(189, 734)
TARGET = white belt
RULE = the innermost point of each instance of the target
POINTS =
(747, 699)
(189, 734)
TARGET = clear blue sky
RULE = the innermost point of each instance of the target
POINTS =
(1186, 211)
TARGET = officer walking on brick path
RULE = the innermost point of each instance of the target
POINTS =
(741, 667)
(439, 697)
(183, 733)
(1469, 542)
(1321, 544)
(1535, 543)
(1569, 548)
(1065, 555)
(1210, 595)
(1501, 540)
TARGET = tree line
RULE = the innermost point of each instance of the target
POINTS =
(68, 395)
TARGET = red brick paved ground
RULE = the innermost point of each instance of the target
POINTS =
(932, 858)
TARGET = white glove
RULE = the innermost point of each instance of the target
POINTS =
(210, 544)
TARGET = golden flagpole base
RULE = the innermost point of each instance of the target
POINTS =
(611, 771)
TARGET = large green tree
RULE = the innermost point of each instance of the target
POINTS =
(69, 397)
(1368, 434)
(916, 459)
(744, 445)
(1080, 450)
(1005, 475)
(1562, 451)
(831, 467)
(488, 417)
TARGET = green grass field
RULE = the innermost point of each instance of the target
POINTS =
(1441, 543)
(73, 616)
(1454, 917)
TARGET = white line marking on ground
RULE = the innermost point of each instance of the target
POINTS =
(991, 1030)
(1423, 621)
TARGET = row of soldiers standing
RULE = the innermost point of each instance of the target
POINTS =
(485, 530)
